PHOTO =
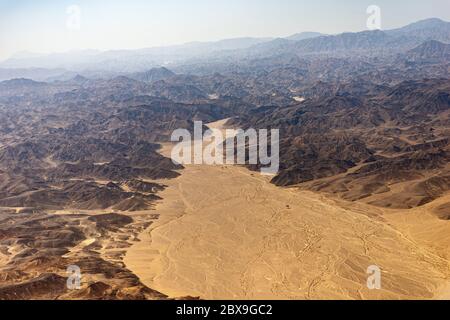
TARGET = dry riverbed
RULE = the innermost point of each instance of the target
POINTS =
(225, 232)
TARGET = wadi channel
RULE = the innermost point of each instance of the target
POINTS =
(225, 232)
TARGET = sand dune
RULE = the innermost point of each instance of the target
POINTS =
(225, 232)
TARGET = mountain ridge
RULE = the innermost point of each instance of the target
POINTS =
(395, 40)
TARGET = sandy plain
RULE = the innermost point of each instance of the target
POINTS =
(225, 232)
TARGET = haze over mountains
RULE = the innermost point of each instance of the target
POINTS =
(108, 63)
(364, 119)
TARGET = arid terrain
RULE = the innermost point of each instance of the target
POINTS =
(86, 177)
(225, 232)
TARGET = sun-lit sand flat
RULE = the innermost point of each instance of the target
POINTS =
(225, 232)
(422, 225)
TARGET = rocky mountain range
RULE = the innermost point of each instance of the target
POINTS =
(112, 63)
(363, 117)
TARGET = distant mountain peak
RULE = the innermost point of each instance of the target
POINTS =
(79, 79)
(152, 75)
(430, 49)
(428, 23)
(20, 83)
(304, 35)
(161, 69)
(431, 23)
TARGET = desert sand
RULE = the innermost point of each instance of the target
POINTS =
(225, 232)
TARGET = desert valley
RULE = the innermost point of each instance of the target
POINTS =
(87, 180)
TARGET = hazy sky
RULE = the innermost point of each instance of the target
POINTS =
(42, 25)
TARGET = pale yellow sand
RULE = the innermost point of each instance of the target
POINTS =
(227, 233)
(422, 225)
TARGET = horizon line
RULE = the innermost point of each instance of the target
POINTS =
(100, 51)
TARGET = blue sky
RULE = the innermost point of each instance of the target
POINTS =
(40, 25)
